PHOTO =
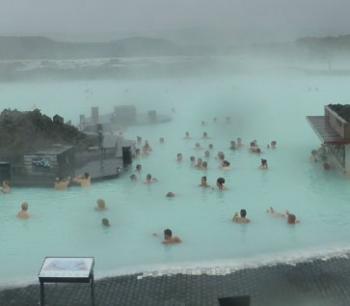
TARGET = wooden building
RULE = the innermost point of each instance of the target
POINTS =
(334, 133)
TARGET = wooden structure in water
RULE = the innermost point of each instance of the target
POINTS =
(334, 132)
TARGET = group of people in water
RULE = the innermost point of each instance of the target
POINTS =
(144, 149)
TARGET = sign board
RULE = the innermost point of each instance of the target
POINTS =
(66, 267)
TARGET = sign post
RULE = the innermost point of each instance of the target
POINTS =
(67, 270)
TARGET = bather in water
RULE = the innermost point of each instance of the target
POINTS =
(5, 188)
(61, 183)
(101, 205)
(23, 213)
(241, 218)
(204, 182)
(84, 181)
(263, 165)
(150, 180)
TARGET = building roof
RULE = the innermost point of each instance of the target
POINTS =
(52, 150)
(324, 131)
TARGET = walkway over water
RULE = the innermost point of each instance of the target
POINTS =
(317, 283)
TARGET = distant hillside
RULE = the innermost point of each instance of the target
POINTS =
(338, 44)
(44, 48)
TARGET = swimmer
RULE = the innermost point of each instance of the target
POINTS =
(199, 163)
(150, 180)
(139, 140)
(5, 188)
(207, 154)
(241, 218)
(161, 140)
(203, 123)
(187, 135)
(233, 145)
(169, 238)
(220, 183)
(23, 213)
(220, 156)
(198, 146)
(291, 218)
(105, 222)
(205, 135)
(170, 194)
(211, 147)
(204, 165)
(61, 184)
(273, 144)
(138, 168)
(101, 205)
(84, 181)
(137, 153)
(239, 142)
(273, 213)
(204, 182)
(225, 165)
(133, 178)
(255, 149)
(193, 161)
(146, 149)
(263, 165)
(179, 157)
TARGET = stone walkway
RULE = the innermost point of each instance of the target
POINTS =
(318, 283)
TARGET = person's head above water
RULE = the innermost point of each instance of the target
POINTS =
(211, 146)
(161, 139)
(198, 145)
(207, 154)
(204, 165)
(24, 206)
(179, 157)
(192, 159)
(205, 135)
(170, 194)
(263, 162)
(220, 182)
(138, 167)
(291, 218)
(105, 222)
(204, 181)
(101, 204)
(86, 175)
(149, 177)
(243, 213)
(225, 163)
(221, 155)
(187, 134)
(167, 234)
(133, 177)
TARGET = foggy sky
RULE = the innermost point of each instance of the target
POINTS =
(253, 19)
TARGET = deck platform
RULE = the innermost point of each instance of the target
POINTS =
(324, 131)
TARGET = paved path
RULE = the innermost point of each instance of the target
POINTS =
(318, 283)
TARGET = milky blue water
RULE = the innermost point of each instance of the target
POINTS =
(270, 107)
